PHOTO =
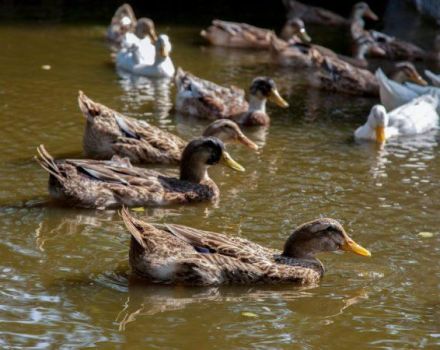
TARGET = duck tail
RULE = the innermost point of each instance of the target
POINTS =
(132, 226)
(89, 108)
(47, 162)
(179, 77)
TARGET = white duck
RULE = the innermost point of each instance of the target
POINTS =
(140, 41)
(161, 67)
(416, 117)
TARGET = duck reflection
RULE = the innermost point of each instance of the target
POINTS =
(150, 300)
(64, 221)
(140, 90)
(412, 152)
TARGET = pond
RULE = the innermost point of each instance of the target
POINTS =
(64, 272)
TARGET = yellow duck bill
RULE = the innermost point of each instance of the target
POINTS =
(380, 134)
(352, 246)
(231, 163)
(276, 98)
(304, 36)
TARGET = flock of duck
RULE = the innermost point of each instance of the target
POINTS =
(112, 142)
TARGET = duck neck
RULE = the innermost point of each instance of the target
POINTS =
(193, 171)
(159, 59)
(257, 104)
(399, 77)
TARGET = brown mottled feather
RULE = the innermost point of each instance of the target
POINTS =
(180, 254)
(108, 132)
(111, 184)
(205, 99)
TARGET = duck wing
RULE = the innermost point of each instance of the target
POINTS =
(216, 243)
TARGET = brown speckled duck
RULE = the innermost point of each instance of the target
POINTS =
(204, 99)
(108, 133)
(116, 183)
(313, 14)
(243, 35)
(174, 254)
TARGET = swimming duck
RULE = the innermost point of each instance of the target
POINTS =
(114, 183)
(161, 68)
(174, 254)
(108, 133)
(123, 21)
(386, 45)
(313, 14)
(328, 72)
(435, 78)
(393, 93)
(143, 38)
(296, 52)
(415, 117)
(243, 35)
(205, 99)
(397, 49)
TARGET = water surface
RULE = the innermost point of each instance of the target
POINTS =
(64, 272)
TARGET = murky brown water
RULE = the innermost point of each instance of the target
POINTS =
(64, 272)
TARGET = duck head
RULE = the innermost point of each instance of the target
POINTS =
(321, 235)
(145, 27)
(263, 88)
(229, 132)
(406, 71)
(201, 153)
(362, 10)
(295, 26)
(163, 45)
(378, 121)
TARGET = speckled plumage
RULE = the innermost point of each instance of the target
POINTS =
(233, 34)
(202, 98)
(313, 14)
(174, 254)
(109, 133)
(114, 183)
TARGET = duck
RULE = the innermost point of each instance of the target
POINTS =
(162, 67)
(397, 49)
(175, 254)
(143, 39)
(114, 183)
(123, 21)
(108, 133)
(243, 35)
(435, 78)
(299, 52)
(326, 71)
(393, 93)
(204, 99)
(385, 45)
(415, 117)
(313, 14)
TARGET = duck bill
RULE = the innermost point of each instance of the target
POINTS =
(153, 36)
(371, 15)
(164, 52)
(377, 51)
(276, 98)
(304, 36)
(241, 138)
(352, 246)
(380, 134)
(416, 78)
(229, 162)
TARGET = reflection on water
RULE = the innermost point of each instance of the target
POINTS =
(139, 90)
(64, 272)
